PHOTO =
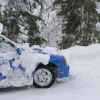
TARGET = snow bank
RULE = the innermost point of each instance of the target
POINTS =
(82, 53)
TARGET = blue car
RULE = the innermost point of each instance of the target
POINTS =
(21, 65)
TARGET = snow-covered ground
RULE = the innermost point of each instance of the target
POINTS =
(83, 83)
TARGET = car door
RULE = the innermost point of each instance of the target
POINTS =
(7, 49)
(7, 52)
(10, 65)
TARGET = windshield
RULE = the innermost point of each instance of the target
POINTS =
(6, 46)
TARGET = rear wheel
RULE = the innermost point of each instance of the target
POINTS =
(43, 77)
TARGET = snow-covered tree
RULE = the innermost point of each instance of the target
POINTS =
(50, 28)
(80, 18)
(20, 19)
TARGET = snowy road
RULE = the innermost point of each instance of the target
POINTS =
(83, 84)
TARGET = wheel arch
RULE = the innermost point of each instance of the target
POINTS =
(50, 65)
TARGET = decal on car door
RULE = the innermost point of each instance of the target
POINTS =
(2, 77)
(16, 65)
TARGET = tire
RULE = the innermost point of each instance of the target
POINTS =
(43, 77)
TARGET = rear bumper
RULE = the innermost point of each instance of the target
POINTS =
(63, 71)
(62, 67)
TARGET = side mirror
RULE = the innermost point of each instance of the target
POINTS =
(19, 51)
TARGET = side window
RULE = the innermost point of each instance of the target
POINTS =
(6, 46)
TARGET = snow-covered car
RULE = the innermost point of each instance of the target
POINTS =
(20, 66)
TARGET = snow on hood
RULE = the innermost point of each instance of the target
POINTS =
(48, 50)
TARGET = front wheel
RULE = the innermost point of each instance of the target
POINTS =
(43, 77)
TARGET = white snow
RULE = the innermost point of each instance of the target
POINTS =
(98, 26)
(98, 7)
(83, 83)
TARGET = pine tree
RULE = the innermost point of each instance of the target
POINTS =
(10, 22)
(0, 14)
(79, 23)
(19, 14)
